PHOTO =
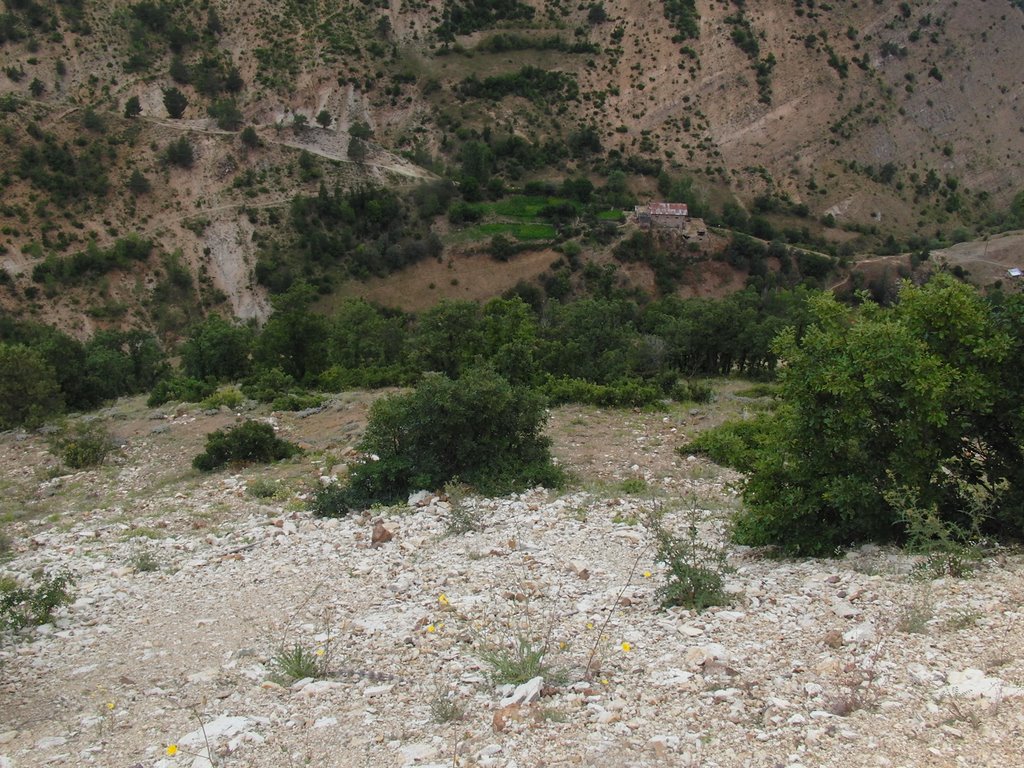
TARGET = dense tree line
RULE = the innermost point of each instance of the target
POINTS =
(606, 350)
(26, 17)
(93, 261)
(361, 232)
(889, 419)
(684, 17)
(510, 41)
(662, 254)
(529, 82)
(211, 74)
(463, 17)
(44, 371)
(66, 175)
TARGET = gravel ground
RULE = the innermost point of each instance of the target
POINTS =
(855, 661)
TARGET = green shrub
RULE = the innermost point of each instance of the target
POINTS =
(462, 517)
(29, 390)
(692, 392)
(144, 561)
(758, 390)
(249, 442)
(732, 444)
(296, 401)
(950, 549)
(231, 397)
(180, 153)
(267, 385)
(695, 568)
(445, 708)
(339, 378)
(175, 102)
(478, 428)
(217, 349)
(86, 444)
(523, 660)
(180, 389)
(250, 138)
(264, 488)
(331, 500)
(227, 114)
(299, 663)
(923, 397)
(634, 486)
(32, 606)
(625, 393)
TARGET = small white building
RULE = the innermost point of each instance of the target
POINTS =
(1014, 272)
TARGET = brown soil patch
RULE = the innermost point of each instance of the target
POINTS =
(467, 276)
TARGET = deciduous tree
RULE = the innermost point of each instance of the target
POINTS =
(913, 399)
(28, 387)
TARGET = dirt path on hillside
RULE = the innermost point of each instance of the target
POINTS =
(1002, 250)
(338, 155)
(329, 144)
(985, 261)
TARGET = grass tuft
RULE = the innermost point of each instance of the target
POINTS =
(521, 662)
(298, 663)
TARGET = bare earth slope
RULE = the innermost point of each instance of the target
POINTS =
(846, 662)
(895, 118)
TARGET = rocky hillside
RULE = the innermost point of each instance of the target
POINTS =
(873, 118)
(190, 591)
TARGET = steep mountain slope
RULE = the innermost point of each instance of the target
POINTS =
(878, 118)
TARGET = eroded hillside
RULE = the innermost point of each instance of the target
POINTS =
(840, 124)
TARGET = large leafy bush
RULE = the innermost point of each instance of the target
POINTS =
(249, 442)
(924, 399)
(478, 428)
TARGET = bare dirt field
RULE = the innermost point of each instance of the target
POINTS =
(463, 275)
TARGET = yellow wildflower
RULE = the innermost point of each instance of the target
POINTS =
(110, 705)
(647, 574)
(626, 647)
(443, 600)
(172, 750)
(320, 651)
(590, 625)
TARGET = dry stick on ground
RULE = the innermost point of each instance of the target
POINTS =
(202, 725)
(173, 749)
(589, 675)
